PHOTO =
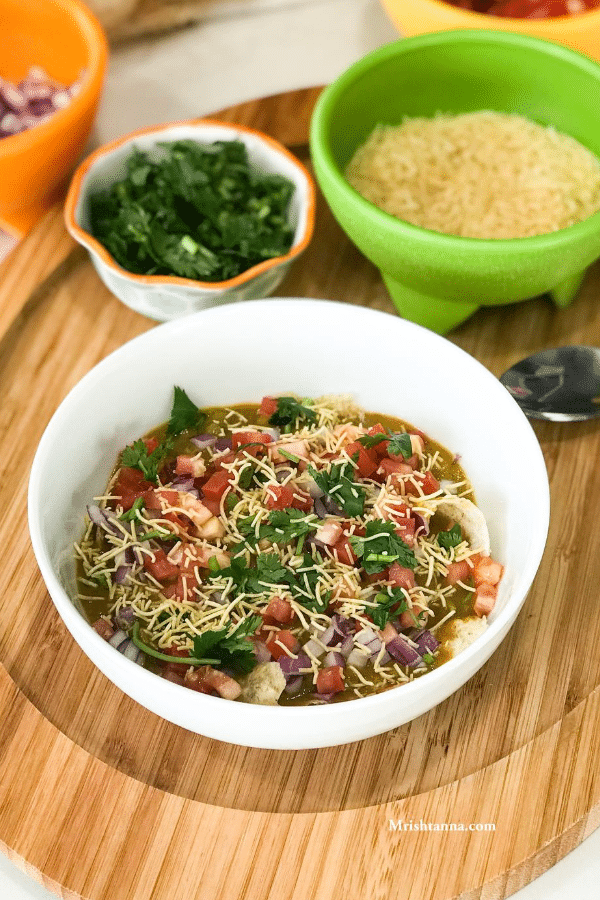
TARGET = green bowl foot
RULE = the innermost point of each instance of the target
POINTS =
(563, 294)
(434, 313)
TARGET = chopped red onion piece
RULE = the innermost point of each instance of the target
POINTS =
(426, 642)
(261, 652)
(125, 617)
(342, 625)
(347, 645)
(328, 636)
(403, 652)
(32, 101)
(294, 686)
(311, 646)
(202, 441)
(185, 484)
(366, 636)
(291, 667)
(314, 490)
(119, 639)
(130, 651)
(274, 433)
(358, 659)
(333, 658)
(104, 518)
(122, 573)
(324, 698)
(222, 444)
(422, 525)
(320, 510)
(331, 506)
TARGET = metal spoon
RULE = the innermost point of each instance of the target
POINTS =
(562, 385)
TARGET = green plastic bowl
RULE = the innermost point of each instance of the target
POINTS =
(434, 279)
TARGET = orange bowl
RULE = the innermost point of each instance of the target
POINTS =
(580, 32)
(67, 41)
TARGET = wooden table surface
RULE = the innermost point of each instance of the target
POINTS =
(101, 799)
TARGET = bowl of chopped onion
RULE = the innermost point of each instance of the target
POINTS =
(182, 216)
(54, 55)
(280, 549)
(466, 165)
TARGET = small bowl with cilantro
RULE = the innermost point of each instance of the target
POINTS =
(289, 550)
(180, 217)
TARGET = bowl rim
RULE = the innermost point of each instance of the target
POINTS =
(398, 228)
(97, 52)
(94, 246)
(78, 625)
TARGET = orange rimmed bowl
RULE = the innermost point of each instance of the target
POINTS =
(164, 297)
(580, 32)
(67, 41)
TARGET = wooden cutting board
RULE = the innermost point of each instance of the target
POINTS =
(101, 799)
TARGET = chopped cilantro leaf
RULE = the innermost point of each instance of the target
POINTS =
(290, 413)
(428, 658)
(450, 538)
(381, 546)
(338, 485)
(136, 456)
(282, 526)
(132, 512)
(400, 443)
(198, 211)
(232, 650)
(184, 413)
(389, 606)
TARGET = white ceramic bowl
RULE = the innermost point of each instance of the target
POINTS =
(165, 297)
(270, 347)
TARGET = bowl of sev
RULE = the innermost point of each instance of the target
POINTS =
(464, 164)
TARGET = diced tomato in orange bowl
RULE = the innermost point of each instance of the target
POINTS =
(237, 354)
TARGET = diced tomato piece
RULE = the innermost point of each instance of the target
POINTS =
(190, 465)
(267, 406)
(427, 482)
(389, 633)
(367, 462)
(208, 681)
(183, 588)
(278, 611)
(329, 532)
(160, 567)
(151, 500)
(278, 496)
(486, 570)
(302, 501)
(282, 637)
(343, 549)
(330, 680)
(458, 571)
(151, 444)
(380, 450)
(396, 466)
(485, 599)
(214, 506)
(406, 528)
(249, 437)
(173, 668)
(217, 484)
(415, 617)
(130, 485)
(400, 576)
